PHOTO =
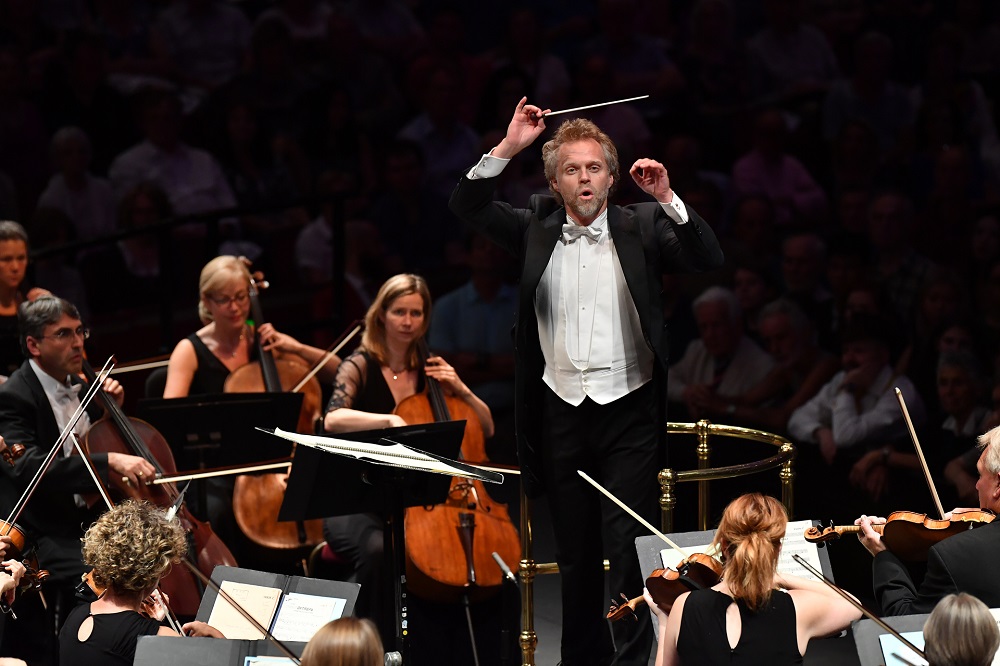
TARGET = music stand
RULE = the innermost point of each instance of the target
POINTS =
(363, 487)
(206, 431)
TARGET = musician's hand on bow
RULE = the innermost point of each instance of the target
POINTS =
(526, 125)
(652, 178)
(157, 604)
(869, 538)
(138, 471)
(198, 628)
(115, 390)
(10, 579)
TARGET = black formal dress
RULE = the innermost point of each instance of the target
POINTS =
(767, 636)
(623, 442)
(112, 641)
(965, 562)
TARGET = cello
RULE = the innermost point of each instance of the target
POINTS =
(449, 546)
(257, 499)
(116, 432)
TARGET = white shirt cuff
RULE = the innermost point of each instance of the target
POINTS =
(675, 210)
(488, 167)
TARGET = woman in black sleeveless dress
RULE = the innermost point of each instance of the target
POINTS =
(754, 615)
(384, 371)
(130, 547)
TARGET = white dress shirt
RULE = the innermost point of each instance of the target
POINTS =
(588, 325)
(64, 399)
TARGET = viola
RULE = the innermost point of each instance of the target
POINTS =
(116, 432)
(909, 535)
(449, 546)
(257, 498)
(696, 572)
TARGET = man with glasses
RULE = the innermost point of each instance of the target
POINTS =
(36, 403)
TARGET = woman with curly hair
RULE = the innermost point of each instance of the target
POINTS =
(754, 615)
(131, 547)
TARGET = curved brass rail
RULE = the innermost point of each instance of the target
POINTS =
(668, 479)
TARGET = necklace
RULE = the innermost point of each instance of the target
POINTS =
(397, 373)
(236, 347)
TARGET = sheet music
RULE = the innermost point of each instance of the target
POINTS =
(260, 602)
(267, 661)
(895, 653)
(302, 615)
(793, 543)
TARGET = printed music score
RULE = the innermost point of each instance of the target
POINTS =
(793, 543)
(301, 615)
(260, 602)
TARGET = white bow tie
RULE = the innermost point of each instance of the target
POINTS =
(71, 391)
(570, 232)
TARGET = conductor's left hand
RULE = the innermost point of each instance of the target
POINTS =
(652, 178)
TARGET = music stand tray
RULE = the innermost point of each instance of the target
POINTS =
(206, 431)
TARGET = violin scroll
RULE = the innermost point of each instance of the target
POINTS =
(11, 452)
(625, 608)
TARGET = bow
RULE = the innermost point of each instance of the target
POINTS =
(570, 232)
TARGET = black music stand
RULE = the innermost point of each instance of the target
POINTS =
(867, 633)
(363, 487)
(206, 431)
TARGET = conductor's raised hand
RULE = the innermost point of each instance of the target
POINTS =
(528, 122)
(652, 178)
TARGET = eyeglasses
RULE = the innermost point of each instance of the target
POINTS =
(64, 334)
(223, 301)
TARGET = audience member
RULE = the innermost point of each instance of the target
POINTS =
(769, 170)
(898, 267)
(84, 198)
(204, 42)
(801, 369)
(723, 362)
(854, 412)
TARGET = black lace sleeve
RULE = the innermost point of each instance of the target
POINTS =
(349, 381)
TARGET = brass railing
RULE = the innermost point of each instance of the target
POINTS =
(668, 478)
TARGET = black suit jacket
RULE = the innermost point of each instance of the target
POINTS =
(51, 516)
(965, 562)
(647, 243)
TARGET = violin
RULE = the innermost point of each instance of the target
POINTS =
(449, 546)
(147, 607)
(33, 576)
(909, 535)
(695, 572)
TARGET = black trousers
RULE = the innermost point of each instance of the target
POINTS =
(616, 445)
